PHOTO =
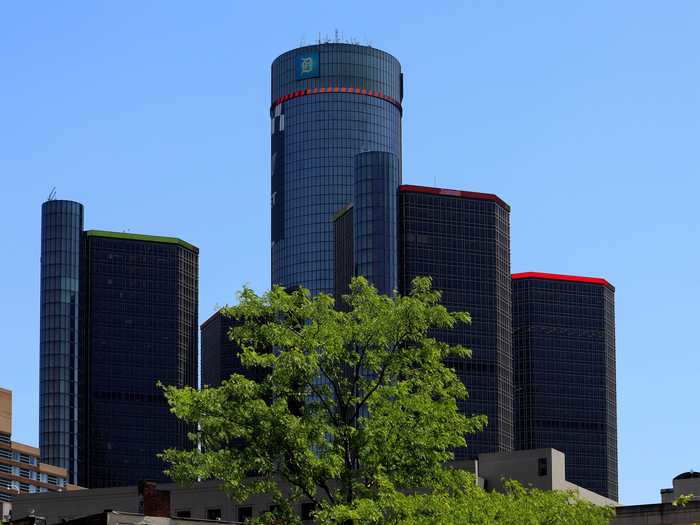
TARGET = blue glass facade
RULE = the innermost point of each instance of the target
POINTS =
(564, 374)
(462, 241)
(374, 218)
(61, 230)
(344, 254)
(346, 101)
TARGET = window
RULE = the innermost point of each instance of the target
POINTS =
(307, 510)
(213, 514)
(183, 514)
(244, 513)
(542, 467)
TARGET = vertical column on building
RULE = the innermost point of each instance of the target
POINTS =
(375, 187)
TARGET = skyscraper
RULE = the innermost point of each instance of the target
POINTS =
(330, 102)
(139, 302)
(118, 314)
(462, 240)
(564, 373)
(61, 230)
(220, 355)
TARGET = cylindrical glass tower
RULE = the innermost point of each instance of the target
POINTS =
(61, 230)
(329, 103)
(374, 218)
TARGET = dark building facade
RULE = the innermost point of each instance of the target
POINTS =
(118, 314)
(462, 240)
(61, 230)
(344, 254)
(564, 373)
(139, 327)
(330, 102)
(220, 356)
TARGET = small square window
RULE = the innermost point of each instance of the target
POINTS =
(213, 514)
(244, 513)
(307, 510)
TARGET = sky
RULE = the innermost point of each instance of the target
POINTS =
(583, 116)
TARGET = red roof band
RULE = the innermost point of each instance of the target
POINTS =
(559, 277)
(456, 193)
(317, 91)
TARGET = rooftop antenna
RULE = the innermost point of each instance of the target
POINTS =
(336, 36)
(319, 38)
(52, 194)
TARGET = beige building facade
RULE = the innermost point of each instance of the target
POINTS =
(540, 468)
(21, 471)
(667, 513)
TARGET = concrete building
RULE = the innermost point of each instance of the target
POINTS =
(153, 509)
(111, 517)
(685, 484)
(542, 468)
(21, 472)
(666, 513)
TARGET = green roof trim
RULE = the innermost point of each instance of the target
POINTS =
(140, 237)
(342, 211)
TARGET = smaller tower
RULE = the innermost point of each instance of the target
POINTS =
(374, 218)
(139, 328)
(564, 373)
(59, 333)
(462, 240)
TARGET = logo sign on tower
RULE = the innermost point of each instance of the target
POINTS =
(307, 65)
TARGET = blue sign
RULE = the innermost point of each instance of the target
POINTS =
(307, 65)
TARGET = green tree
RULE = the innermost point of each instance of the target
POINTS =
(356, 411)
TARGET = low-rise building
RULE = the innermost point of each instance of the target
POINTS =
(21, 471)
(671, 510)
(541, 468)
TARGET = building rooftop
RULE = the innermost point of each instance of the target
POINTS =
(456, 193)
(141, 237)
(688, 475)
(561, 277)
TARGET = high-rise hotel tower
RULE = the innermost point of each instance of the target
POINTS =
(330, 102)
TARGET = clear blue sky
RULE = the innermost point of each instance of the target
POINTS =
(584, 116)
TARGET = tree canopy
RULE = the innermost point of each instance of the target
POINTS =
(357, 411)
